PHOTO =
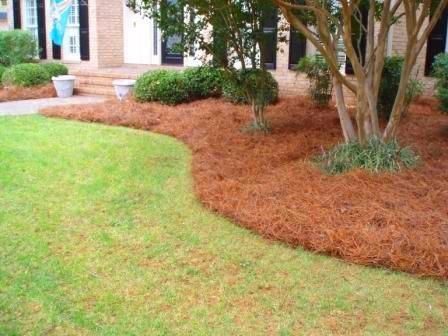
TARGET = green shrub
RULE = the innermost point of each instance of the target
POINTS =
(165, 86)
(17, 46)
(55, 69)
(2, 70)
(414, 90)
(27, 74)
(442, 96)
(203, 82)
(319, 75)
(390, 81)
(377, 157)
(389, 84)
(440, 71)
(254, 82)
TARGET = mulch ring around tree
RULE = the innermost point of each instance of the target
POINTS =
(25, 93)
(268, 184)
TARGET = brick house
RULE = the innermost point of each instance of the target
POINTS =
(106, 40)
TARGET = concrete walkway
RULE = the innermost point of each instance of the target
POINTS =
(32, 106)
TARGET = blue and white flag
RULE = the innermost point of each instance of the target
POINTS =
(60, 11)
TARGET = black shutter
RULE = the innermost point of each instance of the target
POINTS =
(297, 47)
(436, 42)
(16, 14)
(84, 43)
(269, 42)
(41, 31)
(359, 35)
(56, 52)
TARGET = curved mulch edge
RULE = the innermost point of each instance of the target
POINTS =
(26, 93)
(268, 185)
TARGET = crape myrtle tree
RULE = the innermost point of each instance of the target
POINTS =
(325, 23)
(228, 33)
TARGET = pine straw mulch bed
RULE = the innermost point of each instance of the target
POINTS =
(267, 183)
(25, 93)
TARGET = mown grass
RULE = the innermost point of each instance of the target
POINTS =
(100, 234)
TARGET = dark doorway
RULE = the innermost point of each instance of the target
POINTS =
(172, 49)
(170, 52)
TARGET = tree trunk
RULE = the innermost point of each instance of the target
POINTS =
(346, 123)
(258, 115)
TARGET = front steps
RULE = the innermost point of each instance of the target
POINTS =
(97, 83)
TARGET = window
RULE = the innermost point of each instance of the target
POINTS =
(269, 41)
(31, 18)
(71, 43)
(437, 42)
(73, 18)
(297, 47)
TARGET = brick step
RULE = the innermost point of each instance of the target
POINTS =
(95, 90)
(104, 75)
(94, 81)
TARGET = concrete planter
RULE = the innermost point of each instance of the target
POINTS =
(64, 85)
(123, 87)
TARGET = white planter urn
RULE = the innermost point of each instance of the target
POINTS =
(123, 87)
(64, 85)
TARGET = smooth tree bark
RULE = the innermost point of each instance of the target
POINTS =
(326, 22)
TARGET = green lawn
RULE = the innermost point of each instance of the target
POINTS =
(100, 234)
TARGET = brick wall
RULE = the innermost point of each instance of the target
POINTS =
(109, 32)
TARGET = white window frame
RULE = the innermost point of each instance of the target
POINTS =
(71, 45)
(31, 19)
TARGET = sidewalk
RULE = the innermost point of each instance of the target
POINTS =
(32, 106)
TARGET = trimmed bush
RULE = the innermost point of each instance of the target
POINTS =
(28, 74)
(203, 82)
(319, 75)
(376, 157)
(17, 46)
(55, 69)
(259, 82)
(165, 86)
(440, 71)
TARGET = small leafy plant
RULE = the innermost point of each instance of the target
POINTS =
(376, 156)
(440, 71)
(319, 76)
(256, 87)
(241, 84)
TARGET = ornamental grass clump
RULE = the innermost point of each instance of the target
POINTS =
(376, 156)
